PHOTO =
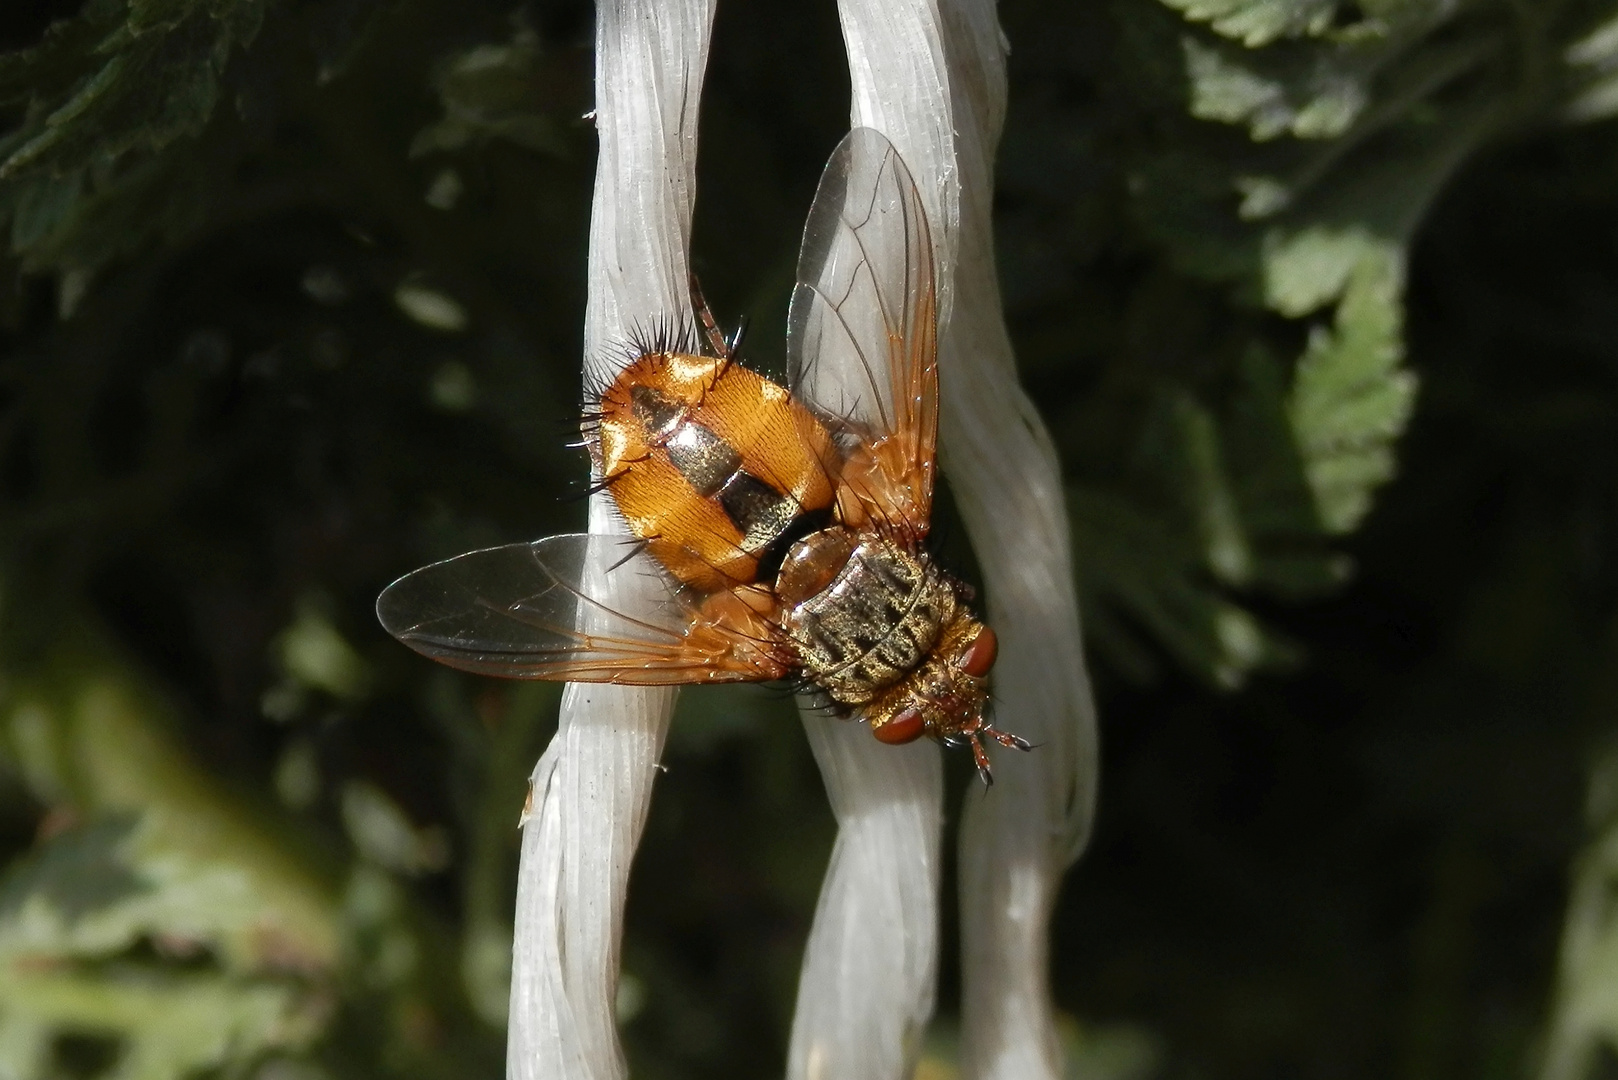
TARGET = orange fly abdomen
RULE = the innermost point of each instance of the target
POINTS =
(717, 468)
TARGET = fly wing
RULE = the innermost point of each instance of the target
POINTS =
(559, 608)
(862, 336)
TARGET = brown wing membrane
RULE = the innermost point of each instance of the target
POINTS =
(862, 336)
(559, 608)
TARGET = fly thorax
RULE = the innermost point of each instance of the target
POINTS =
(813, 563)
(875, 621)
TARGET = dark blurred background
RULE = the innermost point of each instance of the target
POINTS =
(1317, 298)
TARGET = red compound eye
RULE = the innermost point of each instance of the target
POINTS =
(905, 726)
(978, 657)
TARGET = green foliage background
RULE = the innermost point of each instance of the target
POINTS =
(1317, 298)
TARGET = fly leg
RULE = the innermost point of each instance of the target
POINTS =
(1006, 738)
(981, 757)
(711, 333)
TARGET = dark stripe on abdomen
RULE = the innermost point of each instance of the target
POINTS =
(770, 521)
(706, 461)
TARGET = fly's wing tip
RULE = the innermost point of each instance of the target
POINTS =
(572, 607)
(395, 608)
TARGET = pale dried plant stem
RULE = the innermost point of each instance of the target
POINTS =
(870, 969)
(593, 786)
(1014, 847)
(930, 74)
(931, 77)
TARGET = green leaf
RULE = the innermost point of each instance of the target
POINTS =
(1141, 568)
(169, 924)
(1592, 63)
(86, 734)
(100, 99)
(1173, 550)
(1315, 103)
(79, 922)
(1258, 22)
(492, 91)
(1272, 489)
(1237, 492)
(1350, 401)
(314, 654)
(1294, 149)
(76, 874)
(160, 1025)
(1583, 1027)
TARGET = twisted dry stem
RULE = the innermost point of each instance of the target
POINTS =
(593, 786)
(930, 75)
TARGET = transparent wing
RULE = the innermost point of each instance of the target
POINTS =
(862, 336)
(558, 609)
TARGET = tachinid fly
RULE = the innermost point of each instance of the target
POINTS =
(770, 537)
